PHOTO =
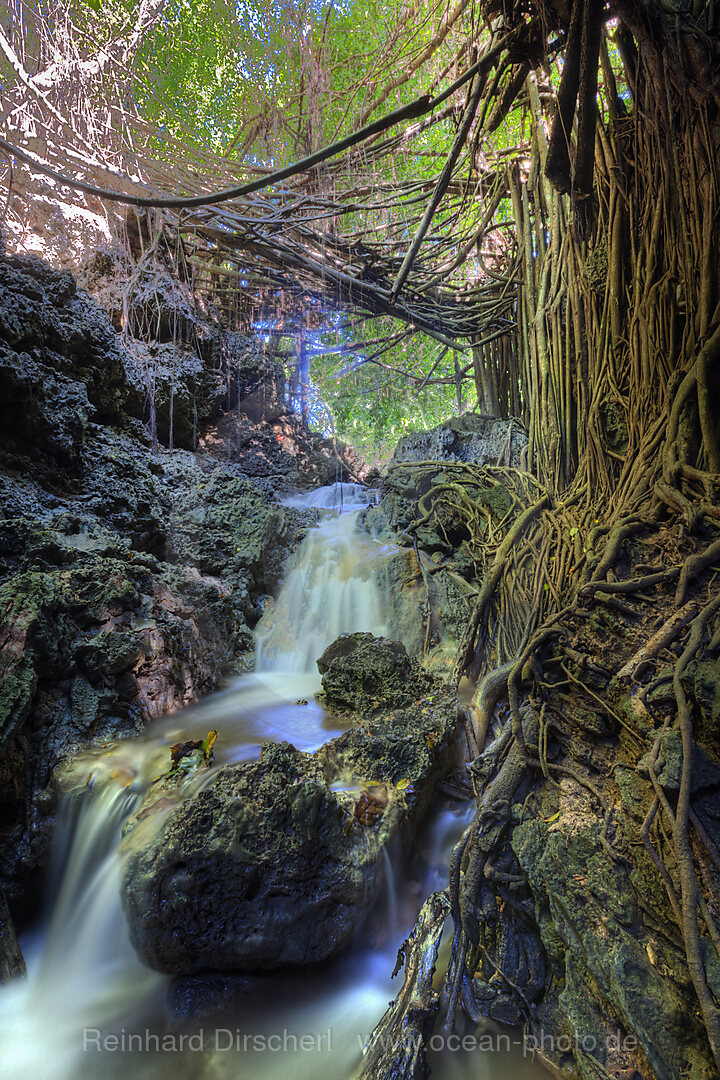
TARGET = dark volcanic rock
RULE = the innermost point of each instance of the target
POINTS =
(91, 650)
(44, 408)
(366, 674)
(262, 870)
(194, 998)
(281, 455)
(280, 861)
(192, 389)
(41, 312)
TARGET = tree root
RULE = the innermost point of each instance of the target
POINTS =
(396, 1048)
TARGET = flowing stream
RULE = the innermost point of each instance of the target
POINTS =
(89, 1009)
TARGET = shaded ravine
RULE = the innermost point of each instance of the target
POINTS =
(89, 1008)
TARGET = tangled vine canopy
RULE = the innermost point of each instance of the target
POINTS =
(425, 205)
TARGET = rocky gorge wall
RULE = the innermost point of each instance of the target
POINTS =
(129, 580)
(563, 912)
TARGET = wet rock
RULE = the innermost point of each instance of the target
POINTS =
(440, 595)
(392, 514)
(265, 869)
(272, 865)
(90, 650)
(12, 963)
(412, 747)
(478, 439)
(400, 581)
(365, 674)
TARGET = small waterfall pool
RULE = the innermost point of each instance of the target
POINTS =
(89, 1010)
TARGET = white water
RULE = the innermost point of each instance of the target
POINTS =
(330, 589)
(82, 972)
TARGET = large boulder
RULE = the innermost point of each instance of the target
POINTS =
(366, 675)
(280, 861)
(266, 868)
(481, 440)
(93, 647)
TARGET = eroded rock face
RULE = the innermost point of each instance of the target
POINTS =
(280, 861)
(192, 390)
(129, 580)
(481, 440)
(229, 528)
(280, 454)
(92, 650)
(407, 591)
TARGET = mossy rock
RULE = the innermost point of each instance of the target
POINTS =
(273, 865)
(608, 965)
(366, 674)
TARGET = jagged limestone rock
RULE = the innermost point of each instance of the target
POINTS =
(479, 439)
(280, 861)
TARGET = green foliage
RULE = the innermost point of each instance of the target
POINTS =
(267, 82)
(372, 406)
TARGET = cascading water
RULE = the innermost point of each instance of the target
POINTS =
(330, 589)
(85, 985)
(82, 972)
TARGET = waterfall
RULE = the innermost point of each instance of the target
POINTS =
(84, 978)
(82, 971)
(330, 588)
